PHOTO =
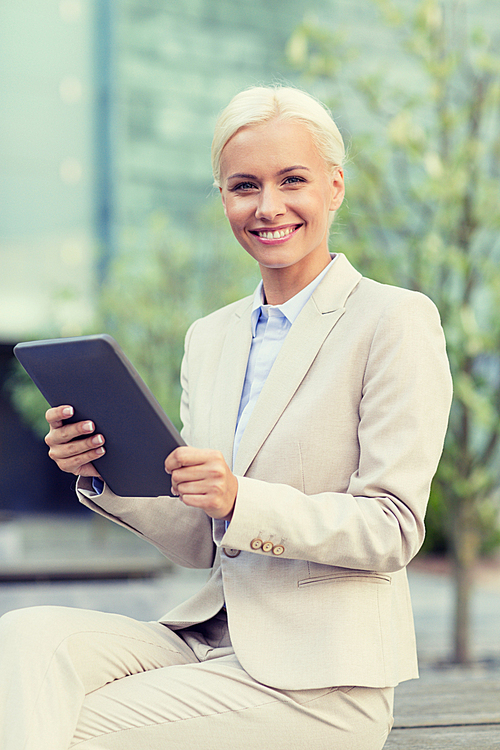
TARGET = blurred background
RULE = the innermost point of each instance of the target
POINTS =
(109, 221)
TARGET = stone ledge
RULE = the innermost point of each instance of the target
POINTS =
(84, 570)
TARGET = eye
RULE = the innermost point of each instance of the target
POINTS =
(293, 180)
(242, 186)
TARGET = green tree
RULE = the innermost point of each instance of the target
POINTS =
(423, 212)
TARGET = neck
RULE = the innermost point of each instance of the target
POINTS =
(281, 284)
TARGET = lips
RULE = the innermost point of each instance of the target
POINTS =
(279, 233)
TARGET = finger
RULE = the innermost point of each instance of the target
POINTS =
(214, 471)
(76, 447)
(79, 463)
(57, 414)
(68, 432)
(174, 461)
(191, 486)
(213, 505)
(187, 456)
(171, 463)
(193, 473)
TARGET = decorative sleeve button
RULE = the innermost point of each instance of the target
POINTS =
(267, 547)
(230, 552)
(256, 544)
(278, 549)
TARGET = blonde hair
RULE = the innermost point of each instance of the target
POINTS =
(260, 104)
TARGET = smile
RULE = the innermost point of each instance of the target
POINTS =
(276, 234)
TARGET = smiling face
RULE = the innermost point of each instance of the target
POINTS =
(278, 194)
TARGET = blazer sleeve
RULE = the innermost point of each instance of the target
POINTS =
(377, 523)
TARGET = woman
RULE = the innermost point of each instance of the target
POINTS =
(315, 414)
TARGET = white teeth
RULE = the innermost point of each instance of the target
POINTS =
(277, 234)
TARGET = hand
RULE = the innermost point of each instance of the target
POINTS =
(202, 479)
(73, 457)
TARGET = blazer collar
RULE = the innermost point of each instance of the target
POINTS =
(336, 287)
(229, 380)
(304, 340)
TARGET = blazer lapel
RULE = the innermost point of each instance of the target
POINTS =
(229, 382)
(302, 344)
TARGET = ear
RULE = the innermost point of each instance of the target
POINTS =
(338, 190)
(223, 200)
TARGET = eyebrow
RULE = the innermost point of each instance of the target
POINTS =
(244, 176)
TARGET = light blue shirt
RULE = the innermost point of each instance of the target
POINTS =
(270, 325)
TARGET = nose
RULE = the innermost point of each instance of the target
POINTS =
(270, 204)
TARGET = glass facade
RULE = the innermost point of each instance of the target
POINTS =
(46, 153)
(175, 67)
(106, 119)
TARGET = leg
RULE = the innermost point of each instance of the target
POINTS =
(51, 657)
(216, 704)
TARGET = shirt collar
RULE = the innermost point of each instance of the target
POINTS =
(292, 307)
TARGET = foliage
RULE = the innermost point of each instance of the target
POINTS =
(423, 208)
(26, 398)
(423, 213)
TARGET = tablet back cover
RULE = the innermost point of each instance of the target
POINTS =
(92, 374)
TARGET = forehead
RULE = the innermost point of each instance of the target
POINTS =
(270, 147)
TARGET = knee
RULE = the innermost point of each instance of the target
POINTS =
(31, 623)
(17, 620)
(16, 629)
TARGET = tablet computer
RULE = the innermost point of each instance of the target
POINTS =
(92, 374)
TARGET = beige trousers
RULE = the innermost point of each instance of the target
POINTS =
(73, 678)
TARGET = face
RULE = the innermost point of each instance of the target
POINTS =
(278, 195)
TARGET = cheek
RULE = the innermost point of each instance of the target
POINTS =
(237, 215)
(320, 207)
(312, 209)
(234, 223)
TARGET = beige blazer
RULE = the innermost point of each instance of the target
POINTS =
(334, 471)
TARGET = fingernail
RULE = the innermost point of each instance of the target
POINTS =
(68, 411)
(100, 451)
(97, 440)
(87, 427)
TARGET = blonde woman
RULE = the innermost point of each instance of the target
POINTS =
(314, 413)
